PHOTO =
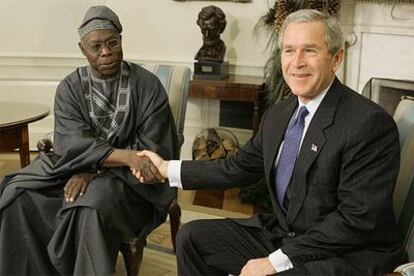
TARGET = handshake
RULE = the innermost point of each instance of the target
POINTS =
(147, 166)
(151, 168)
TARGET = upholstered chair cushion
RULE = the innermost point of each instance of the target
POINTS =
(176, 80)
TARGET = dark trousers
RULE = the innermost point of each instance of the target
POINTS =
(33, 241)
(221, 247)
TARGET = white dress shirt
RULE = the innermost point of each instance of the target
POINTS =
(279, 260)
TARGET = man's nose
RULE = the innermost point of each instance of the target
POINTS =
(105, 50)
(298, 58)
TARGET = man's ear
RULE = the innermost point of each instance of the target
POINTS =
(337, 59)
(81, 48)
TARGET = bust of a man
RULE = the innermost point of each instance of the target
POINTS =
(212, 22)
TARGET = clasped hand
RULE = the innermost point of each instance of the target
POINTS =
(157, 169)
(145, 170)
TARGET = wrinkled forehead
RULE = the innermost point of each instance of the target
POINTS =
(304, 33)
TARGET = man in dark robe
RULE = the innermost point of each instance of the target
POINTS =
(68, 212)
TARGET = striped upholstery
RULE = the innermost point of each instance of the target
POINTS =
(176, 80)
(404, 191)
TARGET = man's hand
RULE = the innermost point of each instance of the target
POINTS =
(142, 165)
(77, 185)
(258, 267)
(157, 161)
(136, 163)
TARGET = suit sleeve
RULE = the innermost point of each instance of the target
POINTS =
(368, 170)
(243, 169)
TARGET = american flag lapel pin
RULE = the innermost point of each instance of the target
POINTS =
(314, 148)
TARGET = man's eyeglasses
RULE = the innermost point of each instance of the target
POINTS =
(97, 47)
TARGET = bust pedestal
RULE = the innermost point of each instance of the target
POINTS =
(211, 70)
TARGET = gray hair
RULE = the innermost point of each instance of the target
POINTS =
(334, 37)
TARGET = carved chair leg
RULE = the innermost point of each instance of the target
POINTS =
(175, 220)
(132, 253)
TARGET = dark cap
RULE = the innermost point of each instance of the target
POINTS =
(99, 18)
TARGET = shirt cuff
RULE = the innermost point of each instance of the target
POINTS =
(280, 261)
(174, 173)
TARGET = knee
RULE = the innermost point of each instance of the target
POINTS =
(187, 233)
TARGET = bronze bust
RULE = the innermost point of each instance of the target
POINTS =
(212, 22)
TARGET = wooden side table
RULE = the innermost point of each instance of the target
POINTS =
(14, 134)
(236, 88)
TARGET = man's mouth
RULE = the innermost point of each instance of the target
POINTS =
(300, 76)
(108, 65)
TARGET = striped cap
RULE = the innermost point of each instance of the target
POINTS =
(99, 18)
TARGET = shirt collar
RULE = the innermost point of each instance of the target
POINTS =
(313, 104)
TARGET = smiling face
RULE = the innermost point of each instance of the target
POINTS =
(307, 65)
(103, 49)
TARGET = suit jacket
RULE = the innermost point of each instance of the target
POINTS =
(339, 219)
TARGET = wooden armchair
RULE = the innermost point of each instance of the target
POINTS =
(175, 80)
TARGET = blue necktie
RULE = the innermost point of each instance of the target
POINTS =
(287, 158)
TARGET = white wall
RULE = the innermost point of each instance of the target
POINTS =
(154, 30)
(38, 45)
(383, 37)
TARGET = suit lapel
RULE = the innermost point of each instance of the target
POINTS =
(312, 145)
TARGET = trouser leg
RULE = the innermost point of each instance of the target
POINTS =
(83, 245)
(25, 229)
(219, 247)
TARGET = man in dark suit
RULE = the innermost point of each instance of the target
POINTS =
(330, 158)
